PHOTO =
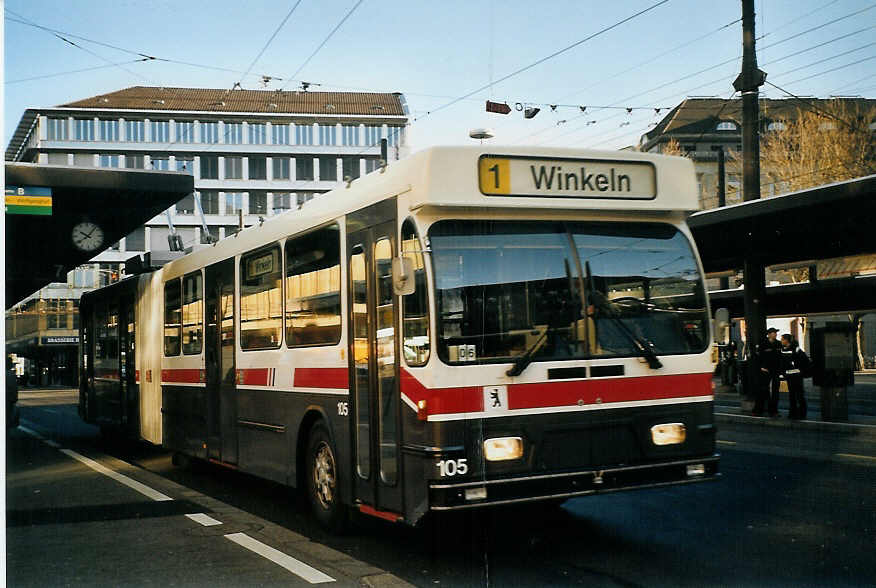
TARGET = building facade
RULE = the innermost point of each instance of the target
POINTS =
(253, 153)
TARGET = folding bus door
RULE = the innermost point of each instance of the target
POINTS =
(373, 354)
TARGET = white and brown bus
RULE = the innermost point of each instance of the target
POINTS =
(467, 327)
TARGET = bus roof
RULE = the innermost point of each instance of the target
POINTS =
(453, 177)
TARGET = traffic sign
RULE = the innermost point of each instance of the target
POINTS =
(498, 107)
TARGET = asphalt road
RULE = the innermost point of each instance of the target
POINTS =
(793, 508)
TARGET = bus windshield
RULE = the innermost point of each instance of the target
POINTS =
(565, 290)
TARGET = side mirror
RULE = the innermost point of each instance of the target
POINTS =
(722, 326)
(402, 276)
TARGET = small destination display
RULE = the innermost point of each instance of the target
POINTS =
(36, 200)
(567, 178)
(261, 265)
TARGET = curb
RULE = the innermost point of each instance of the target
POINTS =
(784, 423)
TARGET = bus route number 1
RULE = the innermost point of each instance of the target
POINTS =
(452, 467)
(495, 176)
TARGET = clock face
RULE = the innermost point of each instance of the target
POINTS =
(87, 236)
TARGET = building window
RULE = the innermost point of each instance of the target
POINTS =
(233, 168)
(84, 128)
(87, 160)
(726, 125)
(282, 201)
(160, 131)
(57, 129)
(258, 168)
(210, 201)
(304, 168)
(351, 167)
(209, 167)
(136, 240)
(373, 135)
(280, 168)
(258, 133)
(209, 132)
(192, 314)
(160, 163)
(302, 197)
(57, 159)
(109, 130)
(186, 205)
(328, 135)
(109, 161)
(280, 134)
(394, 135)
(233, 202)
(134, 162)
(172, 308)
(313, 288)
(135, 131)
(186, 164)
(233, 133)
(371, 164)
(185, 132)
(350, 135)
(304, 134)
(258, 203)
(261, 300)
(328, 169)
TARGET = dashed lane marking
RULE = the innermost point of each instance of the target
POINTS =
(121, 478)
(856, 456)
(203, 519)
(726, 442)
(299, 568)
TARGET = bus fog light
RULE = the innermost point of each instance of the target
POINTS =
(698, 469)
(475, 493)
(668, 434)
(503, 448)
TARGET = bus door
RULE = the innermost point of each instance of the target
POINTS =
(127, 365)
(373, 351)
(219, 357)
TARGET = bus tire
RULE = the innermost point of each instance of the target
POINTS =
(322, 480)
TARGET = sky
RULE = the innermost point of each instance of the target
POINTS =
(437, 52)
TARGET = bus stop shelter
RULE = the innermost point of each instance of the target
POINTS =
(44, 204)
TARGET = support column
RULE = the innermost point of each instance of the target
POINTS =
(755, 320)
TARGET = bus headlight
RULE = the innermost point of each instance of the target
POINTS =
(668, 434)
(503, 448)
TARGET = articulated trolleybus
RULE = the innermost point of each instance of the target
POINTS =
(464, 328)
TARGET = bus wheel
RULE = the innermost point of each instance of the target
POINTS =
(322, 480)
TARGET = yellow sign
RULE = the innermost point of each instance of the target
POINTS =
(495, 175)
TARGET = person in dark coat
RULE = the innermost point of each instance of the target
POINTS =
(795, 367)
(770, 359)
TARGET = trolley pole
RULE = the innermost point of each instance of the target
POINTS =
(750, 79)
(723, 283)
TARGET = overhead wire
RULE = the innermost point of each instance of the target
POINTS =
(73, 71)
(269, 41)
(324, 41)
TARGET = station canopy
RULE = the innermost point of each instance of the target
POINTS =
(45, 203)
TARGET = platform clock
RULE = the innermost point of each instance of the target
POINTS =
(87, 236)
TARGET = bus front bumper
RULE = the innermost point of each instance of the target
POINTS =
(531, 488)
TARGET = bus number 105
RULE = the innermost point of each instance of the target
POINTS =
(452, 467)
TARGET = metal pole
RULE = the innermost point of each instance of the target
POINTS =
(748, 82)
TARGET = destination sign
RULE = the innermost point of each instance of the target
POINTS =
(567, 178)
(261, 265)
(35, 200)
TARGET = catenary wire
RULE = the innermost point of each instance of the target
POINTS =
(268, 43)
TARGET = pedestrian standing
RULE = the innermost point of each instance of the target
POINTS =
(770, 359)
(795, 367)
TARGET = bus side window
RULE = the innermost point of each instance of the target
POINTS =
(415, 306)
(192, 313)
(261, 299)
(172, 323)
(313, 288)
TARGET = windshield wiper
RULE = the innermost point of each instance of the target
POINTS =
(641, 344)
(526, 358)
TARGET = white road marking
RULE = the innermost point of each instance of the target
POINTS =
(203, 519)
(298, 568)
(722, 442)
(856, 456)
(121, 478)
(33, 433)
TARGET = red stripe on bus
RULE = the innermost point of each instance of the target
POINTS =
(336, 378)
(181, 376)
(556, 394)
(253, 376)
(602, 391)
(381, 514)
